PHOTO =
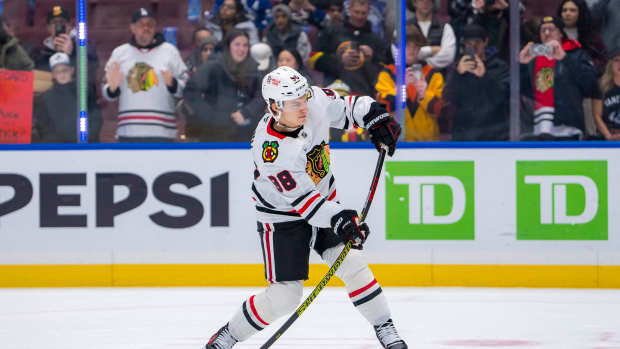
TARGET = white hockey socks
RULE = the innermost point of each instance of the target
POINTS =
(256, 313)
(364, 291)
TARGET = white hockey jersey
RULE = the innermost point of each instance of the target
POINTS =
(292, 177)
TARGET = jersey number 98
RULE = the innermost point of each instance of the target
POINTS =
(284, 180)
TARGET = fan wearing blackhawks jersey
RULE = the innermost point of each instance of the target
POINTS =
(297, 204)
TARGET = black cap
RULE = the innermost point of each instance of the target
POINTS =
(141, 13)
(555, 20)
(56, 12)
(474, 31)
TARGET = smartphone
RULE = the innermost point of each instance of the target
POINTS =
(417, 70)
(541, 50)
(60, 28)
(355, 46)
(470, 53)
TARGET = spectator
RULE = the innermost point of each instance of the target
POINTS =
(304, 13)
(442, 43)
(263, 55)
(462, 13)
(224, 94)
(606, 14)
(284, 34)
(145, 74)
(578, 25)
(478, 116)
(354, 68)
(356, 29)
(376, 15)
(201, 53)
(292, 59)
(256, 10)
(335, 13)
(55, 111)
(7, 25)
(424, 90)
(577, 21)
(12, 54)
(607, 110)
(494, 16)
(63, 38)
(557, 83)
(232, 15)
(199, 36)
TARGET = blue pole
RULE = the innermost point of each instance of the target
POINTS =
(82, 70)
(400, 61)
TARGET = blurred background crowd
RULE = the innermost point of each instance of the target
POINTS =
(191, 71)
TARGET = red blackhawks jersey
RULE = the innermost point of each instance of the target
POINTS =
(292, 177)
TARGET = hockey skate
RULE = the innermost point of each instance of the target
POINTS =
(388, 336)
(222, 339)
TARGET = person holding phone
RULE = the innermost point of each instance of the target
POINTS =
(424, 90)
(478, 116)
(62, 38)
(557, 82)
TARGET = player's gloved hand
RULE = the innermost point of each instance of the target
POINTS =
(382, 127)
(345, 224)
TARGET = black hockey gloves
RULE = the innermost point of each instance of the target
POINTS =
(345, 224)
(383, 129)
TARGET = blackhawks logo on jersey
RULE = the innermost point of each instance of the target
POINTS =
(142, 77)
(544, 79)
(270, 151)
(317, 166)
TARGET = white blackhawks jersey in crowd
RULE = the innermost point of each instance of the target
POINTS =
(292, 177)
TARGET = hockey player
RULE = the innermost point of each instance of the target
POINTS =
(297, 205)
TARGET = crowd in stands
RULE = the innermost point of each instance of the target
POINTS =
(208, 90)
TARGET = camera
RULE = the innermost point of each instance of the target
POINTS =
(60, 28)
(541, 50)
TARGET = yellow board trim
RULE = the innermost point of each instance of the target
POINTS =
(251, 275)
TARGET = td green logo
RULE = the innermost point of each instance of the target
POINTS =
(562, 200)
(429, 200)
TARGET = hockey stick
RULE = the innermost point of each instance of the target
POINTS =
(337, 263)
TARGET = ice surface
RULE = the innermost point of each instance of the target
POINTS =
(451, 318)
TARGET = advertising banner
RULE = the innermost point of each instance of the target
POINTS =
(434, 208)
(15, 106)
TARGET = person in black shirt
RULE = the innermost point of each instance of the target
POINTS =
(607, 110)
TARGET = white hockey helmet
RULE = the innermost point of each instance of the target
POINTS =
(283, 84)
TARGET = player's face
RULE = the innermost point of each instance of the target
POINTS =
(294, 112)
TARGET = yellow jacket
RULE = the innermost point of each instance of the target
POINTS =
(423, 125)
